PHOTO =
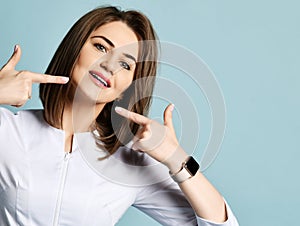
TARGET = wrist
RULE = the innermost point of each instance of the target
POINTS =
(174, 162)
(189, 169)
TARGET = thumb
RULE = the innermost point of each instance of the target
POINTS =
(168, 116)
(14, 59)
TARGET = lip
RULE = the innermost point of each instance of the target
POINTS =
(100, 75)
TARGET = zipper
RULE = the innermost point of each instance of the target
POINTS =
(61, 188)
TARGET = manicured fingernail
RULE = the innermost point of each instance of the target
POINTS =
(172, 107)
(118, 109)
(65, 79)
(16, 48)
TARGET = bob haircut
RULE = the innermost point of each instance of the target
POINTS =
(112, 129)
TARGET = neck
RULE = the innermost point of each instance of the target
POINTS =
(79, 116)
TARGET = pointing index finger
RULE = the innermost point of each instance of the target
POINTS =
(137, 118)
(44, 78)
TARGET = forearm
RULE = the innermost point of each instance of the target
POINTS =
(201, 194)
(204, 198)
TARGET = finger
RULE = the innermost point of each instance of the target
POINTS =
(138, 135)
(14, 59)
(136, 138)
(137, 118)
(135, 141)
(152, 136)
(43, 78)
(29, 91)
(168, 116)
(17, 105)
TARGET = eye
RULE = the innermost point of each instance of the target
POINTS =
(100, 47)
(125, 65)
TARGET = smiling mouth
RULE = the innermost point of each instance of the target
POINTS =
(100, 78)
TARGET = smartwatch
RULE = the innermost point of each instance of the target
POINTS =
(188, 169)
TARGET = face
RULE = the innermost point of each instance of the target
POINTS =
(106, 64)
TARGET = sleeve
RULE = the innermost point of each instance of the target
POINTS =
(231, 220)
(165, 203)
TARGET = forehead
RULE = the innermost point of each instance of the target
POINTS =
(122, 36)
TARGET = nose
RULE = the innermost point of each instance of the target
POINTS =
(108, 67)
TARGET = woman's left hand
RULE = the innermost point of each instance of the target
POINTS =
(157, 140)
(160, 142)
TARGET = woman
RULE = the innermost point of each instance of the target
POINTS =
(110, 58)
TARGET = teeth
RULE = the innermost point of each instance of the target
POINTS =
(99, 79)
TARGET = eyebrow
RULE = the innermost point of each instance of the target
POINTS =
(129, 56)
(112, 45)
(105, 39)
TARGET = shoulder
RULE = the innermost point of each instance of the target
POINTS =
(137, 169)
(35, 116)
(20, 119)
(5, 114)
(132, 157)
(8, 114)
(13, 131)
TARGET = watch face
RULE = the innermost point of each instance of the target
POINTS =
(192, 166)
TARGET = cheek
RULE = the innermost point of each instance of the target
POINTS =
(123, 82)
(77, 74)
(80, 68)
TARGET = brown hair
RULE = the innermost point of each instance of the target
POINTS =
(112, 129)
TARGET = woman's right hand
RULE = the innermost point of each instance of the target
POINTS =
(16, 86)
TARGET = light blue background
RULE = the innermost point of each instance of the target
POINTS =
(253, 49)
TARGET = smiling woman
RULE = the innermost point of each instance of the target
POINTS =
(96, 36)
(108, 72)
(110, 58)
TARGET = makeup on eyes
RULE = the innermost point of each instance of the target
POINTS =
(111, 45)
(99, 46)
(125, 65)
